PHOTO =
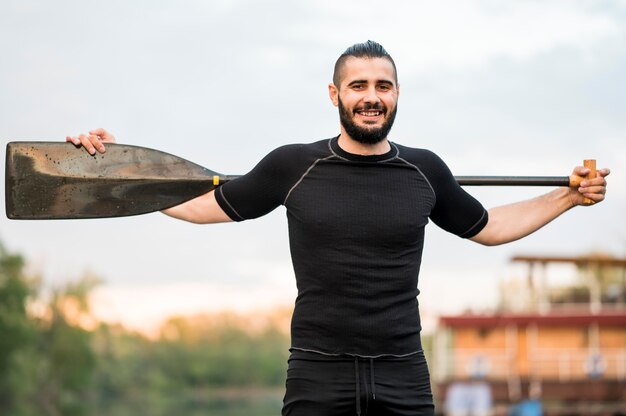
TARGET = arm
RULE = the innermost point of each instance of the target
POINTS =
(512, 222)
(201, 210)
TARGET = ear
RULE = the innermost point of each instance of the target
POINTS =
(333, 93)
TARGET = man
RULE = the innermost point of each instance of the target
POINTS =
(357, 205)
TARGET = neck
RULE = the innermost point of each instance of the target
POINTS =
(350, 145)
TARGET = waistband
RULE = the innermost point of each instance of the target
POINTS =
(305, 354)
(298, 354)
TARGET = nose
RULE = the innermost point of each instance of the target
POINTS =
(371, 96)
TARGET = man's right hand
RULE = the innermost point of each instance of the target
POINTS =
(94, 141)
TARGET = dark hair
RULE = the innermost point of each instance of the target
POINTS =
(369, 49)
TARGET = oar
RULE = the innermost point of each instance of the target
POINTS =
(57, 180)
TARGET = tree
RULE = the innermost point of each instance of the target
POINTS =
(67, 347)
(46, 362)
(18, 332)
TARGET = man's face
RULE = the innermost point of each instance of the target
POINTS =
(367, 98)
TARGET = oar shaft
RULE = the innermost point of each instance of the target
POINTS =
(513, 180)
(480, 180)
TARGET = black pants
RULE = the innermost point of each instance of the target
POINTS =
(319, 385)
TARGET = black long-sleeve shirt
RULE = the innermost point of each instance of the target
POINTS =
(356, 233)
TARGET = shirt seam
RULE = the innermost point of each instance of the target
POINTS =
(356, 355)
(468, 232)
(396, 155)
(221, 192)
(330, 148)
(423, 175)
(295, 185)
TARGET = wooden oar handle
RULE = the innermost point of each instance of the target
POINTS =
(574, 180)
(591, 164)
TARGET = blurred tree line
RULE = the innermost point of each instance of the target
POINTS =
(55, 359)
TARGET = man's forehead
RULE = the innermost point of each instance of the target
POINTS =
(369, 69)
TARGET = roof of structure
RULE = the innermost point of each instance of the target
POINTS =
(605, 318)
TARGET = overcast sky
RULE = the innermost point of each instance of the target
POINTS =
(517, 87)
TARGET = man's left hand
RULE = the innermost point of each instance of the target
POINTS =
(590, 191)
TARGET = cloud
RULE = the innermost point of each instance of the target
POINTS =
(455, 35)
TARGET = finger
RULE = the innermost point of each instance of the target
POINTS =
(96, 141)
(87, 144)
(74, 140)
(592, 194)
(104, 135)
(597, 181)
(596, 190)
(581, 171)
(595, 198)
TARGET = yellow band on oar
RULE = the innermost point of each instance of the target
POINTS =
(216, 180)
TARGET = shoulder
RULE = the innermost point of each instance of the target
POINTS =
(291, 159)
(424, 159)
(431, 166)
(295, 157)
(314, 149)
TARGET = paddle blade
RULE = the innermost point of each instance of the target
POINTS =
(57, 180)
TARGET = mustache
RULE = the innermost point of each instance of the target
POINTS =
(369, 106)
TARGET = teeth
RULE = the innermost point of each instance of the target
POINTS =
(370, 113)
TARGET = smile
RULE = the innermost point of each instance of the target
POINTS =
(370, 113)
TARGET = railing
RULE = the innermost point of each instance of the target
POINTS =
(542, 363)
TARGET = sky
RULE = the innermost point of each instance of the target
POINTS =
(494, 88)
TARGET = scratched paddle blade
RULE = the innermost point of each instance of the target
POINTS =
(57, 180)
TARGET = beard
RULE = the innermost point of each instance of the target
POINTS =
(366, 135)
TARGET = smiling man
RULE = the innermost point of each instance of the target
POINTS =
(368, 101)
(357, 206)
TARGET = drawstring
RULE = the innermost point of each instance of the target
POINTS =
(358, 386)
(372, 378)
(358, 383)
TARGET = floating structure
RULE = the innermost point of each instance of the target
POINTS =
(563, 348)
